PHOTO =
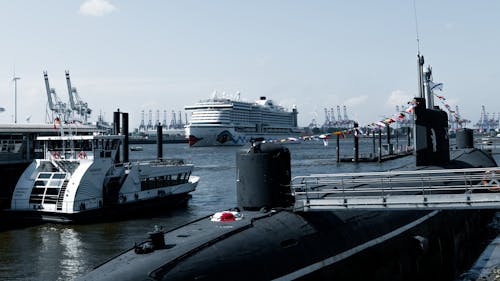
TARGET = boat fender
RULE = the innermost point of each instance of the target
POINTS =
(123, 198)
(82, 206)
(56, 155)
(490, 180)
(136, 196)
(82, 155)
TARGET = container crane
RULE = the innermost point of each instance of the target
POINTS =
(338, 113)
(173, 121)
(58, 108)
(142, 126)
(77, 105)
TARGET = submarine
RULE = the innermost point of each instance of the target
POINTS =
(266, 238)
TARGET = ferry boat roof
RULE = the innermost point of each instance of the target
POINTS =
(79, 137)
(46, 128)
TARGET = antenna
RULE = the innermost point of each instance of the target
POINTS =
(416, 26)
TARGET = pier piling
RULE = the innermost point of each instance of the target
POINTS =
(337, 148)
(159, 141)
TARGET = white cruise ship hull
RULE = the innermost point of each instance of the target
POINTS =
(228, 136)
(228, 122)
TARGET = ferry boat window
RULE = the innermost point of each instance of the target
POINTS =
(55, 182)
(38, 191)
(40, 183)
(46, 188)
(44, 176)
(53, 145)
(59, 176)
(52, 191)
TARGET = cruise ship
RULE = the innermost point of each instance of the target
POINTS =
(225, 121)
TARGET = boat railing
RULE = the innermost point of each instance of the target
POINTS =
(75, 206)
(424, 189)
(162, 162)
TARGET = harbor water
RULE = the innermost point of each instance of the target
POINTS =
(63, 252)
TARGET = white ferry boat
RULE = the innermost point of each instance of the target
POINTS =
(82, 177)
(224, 121)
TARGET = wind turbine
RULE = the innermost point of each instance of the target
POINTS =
(15, 78)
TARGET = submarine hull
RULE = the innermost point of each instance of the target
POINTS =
(283, 245)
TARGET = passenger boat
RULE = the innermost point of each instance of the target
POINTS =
(82, 177)
(231, 121)
(18, 148)
(136, 148)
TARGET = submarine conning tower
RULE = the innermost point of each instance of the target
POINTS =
(432, 144)
(263, 177)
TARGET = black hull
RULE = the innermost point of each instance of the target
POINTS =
(407, 245)
(9, 175)
(107, 213)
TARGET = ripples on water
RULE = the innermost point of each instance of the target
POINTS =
(63, 252)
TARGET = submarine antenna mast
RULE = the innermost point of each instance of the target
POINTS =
(420, 58)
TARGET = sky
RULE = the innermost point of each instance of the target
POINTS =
(164, 55)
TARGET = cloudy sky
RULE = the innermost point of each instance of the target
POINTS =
(163, 55)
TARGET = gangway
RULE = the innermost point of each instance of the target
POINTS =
(471, 188)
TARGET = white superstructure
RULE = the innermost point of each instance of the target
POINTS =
(224, 121)
(83, 174)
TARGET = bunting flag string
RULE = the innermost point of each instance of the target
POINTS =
(397, 117)
(452, 112)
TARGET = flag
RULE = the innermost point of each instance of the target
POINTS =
(410, 109)
(339, 133)
(435, 86)
(57, 121)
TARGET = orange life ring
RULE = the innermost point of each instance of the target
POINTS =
(56, 155)
(490, 180)
(82, 155)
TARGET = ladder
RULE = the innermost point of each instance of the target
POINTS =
(60, 198)
(471, 188)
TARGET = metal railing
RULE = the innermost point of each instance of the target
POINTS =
(400, 190)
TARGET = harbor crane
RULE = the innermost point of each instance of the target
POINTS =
(150, 120)
(58, 108)
(173, 121)
(77, 105)
(142, 126)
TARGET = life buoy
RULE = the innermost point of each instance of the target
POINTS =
(490, 180)
(56, 155)
(82, 155)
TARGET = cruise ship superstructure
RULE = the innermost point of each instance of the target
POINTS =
(225, 121)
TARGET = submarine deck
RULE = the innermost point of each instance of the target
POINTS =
(469, 188)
